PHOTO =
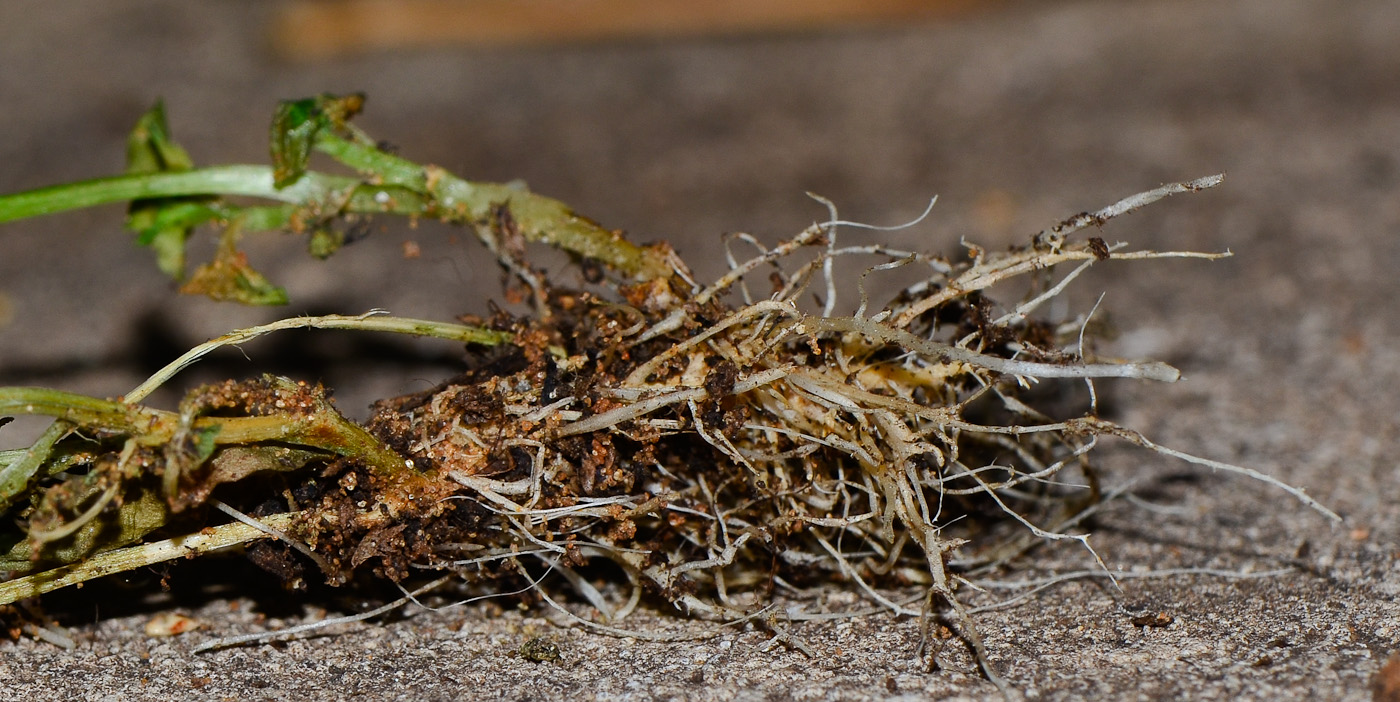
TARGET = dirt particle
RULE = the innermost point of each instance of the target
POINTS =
(539, 650)
(1155, 620)
(166, 624)
(1098, 248)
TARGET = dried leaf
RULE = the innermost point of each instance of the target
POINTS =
(229, 278)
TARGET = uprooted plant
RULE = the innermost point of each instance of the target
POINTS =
(713, 445)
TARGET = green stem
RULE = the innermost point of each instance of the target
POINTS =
(386, 168)
(398, 186)
(248, 180)
(539, 218)
(323, 429)
(312, 190)
(134, 557)
(18, 467)
(91, 413)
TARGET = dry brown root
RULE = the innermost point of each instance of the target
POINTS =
(716, 454)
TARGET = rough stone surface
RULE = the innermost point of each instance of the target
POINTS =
(1016, 117)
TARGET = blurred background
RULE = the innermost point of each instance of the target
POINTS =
(683, 121)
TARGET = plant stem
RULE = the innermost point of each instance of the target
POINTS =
(250, 180)
(398, 186)
(91, 413)
(539, 218)
(131, 558)
(373, 321)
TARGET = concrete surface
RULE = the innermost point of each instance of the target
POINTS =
(1015, 118)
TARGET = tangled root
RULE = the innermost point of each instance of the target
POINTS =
(714, 452)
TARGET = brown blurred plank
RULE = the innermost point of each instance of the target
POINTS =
(310, 30)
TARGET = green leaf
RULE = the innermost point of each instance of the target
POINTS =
(172, 214)
(204, 444)
(325, 241)
(150, 148)
(135, 517)
(294, 128)
(169, 246)
(164, 224)
(296, 125)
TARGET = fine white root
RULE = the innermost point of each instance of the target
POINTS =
(715, 454)
(275, 533)
(374, 320)
(263, 636)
